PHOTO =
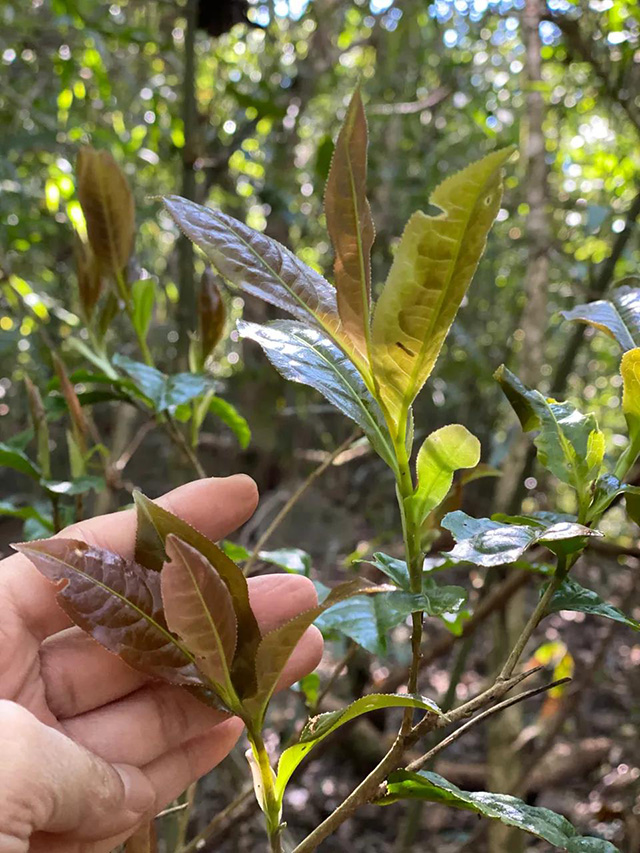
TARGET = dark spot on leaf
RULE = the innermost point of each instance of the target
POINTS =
(405, 349)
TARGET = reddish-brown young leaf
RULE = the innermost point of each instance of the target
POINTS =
(154, 526)
(81, 426)
(107, 204)
(350, 224)
(198, 608)
(117, 601)
(277, 646)
(211, 312)
(89, 278)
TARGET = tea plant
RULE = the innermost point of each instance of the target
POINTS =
(180, 610)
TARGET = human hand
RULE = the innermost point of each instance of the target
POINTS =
(90, 748)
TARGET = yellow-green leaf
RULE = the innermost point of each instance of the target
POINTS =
(429, 277)
(630, 369)
(350, 224)
(443, 453)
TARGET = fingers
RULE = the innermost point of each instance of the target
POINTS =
(214, 506)
(80, 675)
(167, 715)
(49, 783)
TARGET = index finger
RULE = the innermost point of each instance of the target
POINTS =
(214, 506)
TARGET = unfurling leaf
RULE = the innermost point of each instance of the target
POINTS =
(277, 646)
(76, 412)
(258, 265)
(198, 608)
(443, 453)
(211, 313)
(573, 596)
(318, 728)
(305, 355)
(618, 316)
(107, 204)
(154, 526)
(568, 442)
(431, 272)
(89, 278)
(630, 369)
(543, 823)
(118, 602)
(492, 543)
(350, 224)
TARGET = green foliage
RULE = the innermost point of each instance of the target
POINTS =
(540, 822)
(618, 317)
(573, 596)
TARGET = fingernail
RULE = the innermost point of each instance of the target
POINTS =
(139, 795)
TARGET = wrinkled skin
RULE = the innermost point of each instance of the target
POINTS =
(89, 748)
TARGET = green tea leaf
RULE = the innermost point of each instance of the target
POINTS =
(154, 525)
(11, 457)
(431, 272)
(164, 391)
(276, 647)
(117, 601)
(12, 510)
(350, 224)
(565, 435)
(368, 620)
(198, 608)
(573, 596)
(302, 354)
(618, 316)
(230, 416)
(292, 560)
(143, 295)
(443, 453)
(258, 265)
(318, 728)
(492, 543)
(79, 486)
(542, 823)
(393, 568)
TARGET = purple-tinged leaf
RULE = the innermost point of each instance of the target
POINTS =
(198, 608)
(117, 602)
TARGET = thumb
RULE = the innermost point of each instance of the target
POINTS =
(50, 783)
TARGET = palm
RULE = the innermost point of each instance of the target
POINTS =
(74, 685)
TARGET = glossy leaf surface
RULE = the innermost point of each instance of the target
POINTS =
(117, 601)
(318, 728)
(574, 596)
(618, 316)
(198, 608)
(368, 620)
(492, 543)
(442, 453)
(12, 457)
(429, 277)
(350, 224)
(211, 313)
(257, 264)
(565, 442)
(509, 810)
(143, 294)
(302, 354)
(154, 526)
(107, 204)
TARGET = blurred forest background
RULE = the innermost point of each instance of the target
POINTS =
(237, 105)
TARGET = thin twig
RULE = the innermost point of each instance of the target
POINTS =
(513, 700)
(295, 497)
(219, 821)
